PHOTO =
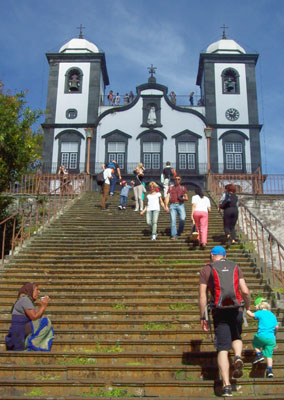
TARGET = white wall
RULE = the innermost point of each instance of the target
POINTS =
(130, 121)
(225, 101)
(79, 101)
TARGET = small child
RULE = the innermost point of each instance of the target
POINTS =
(265, 338)
(124, 195)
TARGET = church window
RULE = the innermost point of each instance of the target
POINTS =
(230, 81)
(69, 155)
(71, 113)
(234, 156)
(116, 151)
(186, 155)
(152, 155)
(73, 83)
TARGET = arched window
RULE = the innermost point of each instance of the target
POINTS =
(234, 143)
(73, 81)
(69, 149)
(116, 146)
(230, 81)
(187, 151)
(152, 149)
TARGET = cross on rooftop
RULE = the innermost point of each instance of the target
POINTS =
(224, 27)
(152, 70)
(81, 32)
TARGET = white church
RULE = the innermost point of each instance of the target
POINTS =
(219, 131)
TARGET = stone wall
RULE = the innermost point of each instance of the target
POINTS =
(269, 209)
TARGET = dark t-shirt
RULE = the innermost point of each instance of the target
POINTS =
(138, 178)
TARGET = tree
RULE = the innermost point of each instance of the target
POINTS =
(18, 144)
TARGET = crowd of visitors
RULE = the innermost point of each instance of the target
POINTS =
(223, 291)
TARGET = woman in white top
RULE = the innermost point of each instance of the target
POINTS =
(154, 200)
(199, 215)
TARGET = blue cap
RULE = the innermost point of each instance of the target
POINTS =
(218, 251)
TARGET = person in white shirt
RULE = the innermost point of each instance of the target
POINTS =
(199, 215)
(106, 186)
(154, 200)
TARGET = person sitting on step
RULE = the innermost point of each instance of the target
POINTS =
(29, 330)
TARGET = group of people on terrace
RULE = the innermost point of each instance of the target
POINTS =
(115, 99)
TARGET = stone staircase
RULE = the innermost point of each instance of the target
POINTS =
(125, 312)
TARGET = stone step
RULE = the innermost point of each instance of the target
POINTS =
(139, 346)
(140, 332)
(91, 397)
(168, 358)
(88, 368)
(143, 388)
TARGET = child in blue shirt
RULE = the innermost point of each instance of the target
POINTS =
(265, 338)
(124, 195)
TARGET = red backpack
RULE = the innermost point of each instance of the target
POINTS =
(225, 277)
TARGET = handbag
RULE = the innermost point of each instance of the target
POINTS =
(193, 233)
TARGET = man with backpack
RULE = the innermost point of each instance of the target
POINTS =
(225, 282)
(116, 173)
(167, 176)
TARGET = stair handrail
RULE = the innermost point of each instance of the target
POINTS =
(35, 216)
(263, 251)
(256, 233)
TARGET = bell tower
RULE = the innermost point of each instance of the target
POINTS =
(227, 81)
(76, 86)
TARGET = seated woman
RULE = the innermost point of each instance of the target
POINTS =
(28, 330)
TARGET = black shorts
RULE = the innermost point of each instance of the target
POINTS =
(227, 327)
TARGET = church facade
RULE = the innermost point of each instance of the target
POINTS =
(220, 132)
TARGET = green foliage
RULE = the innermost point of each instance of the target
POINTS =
(181, 306)
(19, 146)
(77, 361)
(119, 392)
(157, 326)
(35, 392)
(104, 349)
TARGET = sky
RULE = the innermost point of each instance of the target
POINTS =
(133, 34)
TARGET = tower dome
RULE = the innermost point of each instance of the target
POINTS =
(79, 45)
(225, 46)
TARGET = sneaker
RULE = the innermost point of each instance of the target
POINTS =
(238, 367)
(258, 358)
(124, 208)
(227, 391)
(203, 246)
(174, 238)
(154, 237)
(120, 207)
(111, 194)
(269, 373)
(136, 209)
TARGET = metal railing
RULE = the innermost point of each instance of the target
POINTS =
(263, 243)
(38, 212)
(257, 237)
(255, 183)
(49, 183)
(180, 100)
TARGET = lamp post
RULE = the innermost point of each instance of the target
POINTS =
(89, 135)
(208, 133)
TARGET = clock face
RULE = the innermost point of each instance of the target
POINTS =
(232, 114)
